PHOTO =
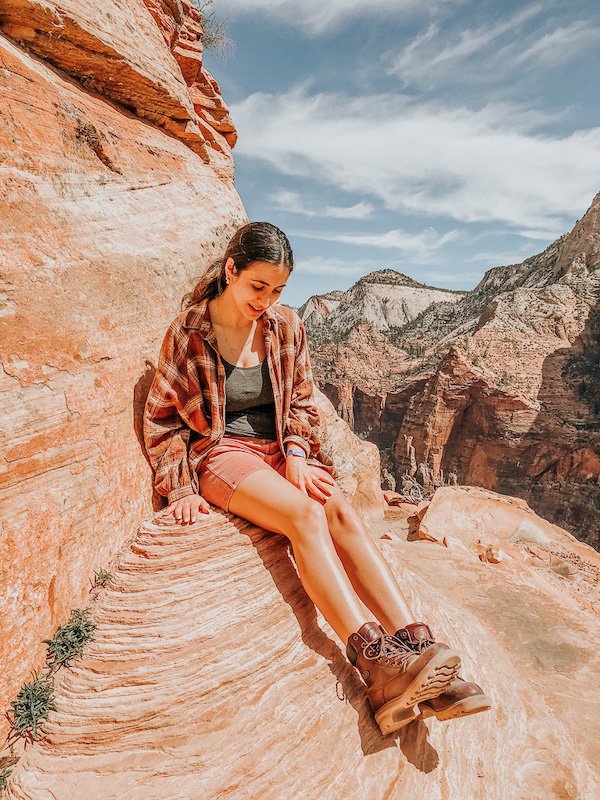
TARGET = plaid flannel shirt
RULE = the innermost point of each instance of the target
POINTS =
(184, 415)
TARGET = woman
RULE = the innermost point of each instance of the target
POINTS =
(229, 420)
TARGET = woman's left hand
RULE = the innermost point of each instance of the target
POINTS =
(311, 480)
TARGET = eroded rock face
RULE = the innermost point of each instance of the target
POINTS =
(106, 221)
(119, 50)
(357, 462)
(211, 674)
(500, 387)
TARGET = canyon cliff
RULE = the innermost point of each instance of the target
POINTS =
(385, 299)
(117, 182)
(500, 386)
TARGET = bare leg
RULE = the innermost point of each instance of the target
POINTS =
(269, 500)
(366, 567)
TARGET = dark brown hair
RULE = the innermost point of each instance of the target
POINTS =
(256, 241)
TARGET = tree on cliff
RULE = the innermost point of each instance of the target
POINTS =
(214, 29)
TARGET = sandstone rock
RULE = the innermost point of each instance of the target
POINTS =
(385, 300)
(392, 498)
(318, 307)
(106, 221)
(212, 675)
(484, 521)
(357, 462)
(118, 50)
(491, 554)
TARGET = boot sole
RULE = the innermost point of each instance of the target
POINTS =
(430, 682)
(462, 708)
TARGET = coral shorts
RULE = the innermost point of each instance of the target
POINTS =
(232, 460)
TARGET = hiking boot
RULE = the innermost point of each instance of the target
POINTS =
(460, 698)
(398, 678)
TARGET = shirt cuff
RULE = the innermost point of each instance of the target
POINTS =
(181, 491)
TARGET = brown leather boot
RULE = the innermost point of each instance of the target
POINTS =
(397, 678)
(460, 698)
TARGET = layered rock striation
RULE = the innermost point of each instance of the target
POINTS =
(211, 675)
(114, 200)
(385, 300)
(144, 55)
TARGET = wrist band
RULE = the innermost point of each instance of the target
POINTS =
(294, 450)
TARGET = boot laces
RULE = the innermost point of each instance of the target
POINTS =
(422, 644)
(390, 651)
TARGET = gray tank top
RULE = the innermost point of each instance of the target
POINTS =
(250, 405)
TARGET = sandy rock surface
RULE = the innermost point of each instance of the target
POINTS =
(211, 675)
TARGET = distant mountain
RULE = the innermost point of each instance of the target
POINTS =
(385, 299)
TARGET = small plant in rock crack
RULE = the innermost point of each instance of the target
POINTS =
(214, 29)
(31, 708)
(69, 640)
(101, 578)
(4, 776)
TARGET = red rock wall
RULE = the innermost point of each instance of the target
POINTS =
(115, 196)
(507, 391)
(145, 55)
(543, 446)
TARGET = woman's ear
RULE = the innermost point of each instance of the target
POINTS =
(230, 269)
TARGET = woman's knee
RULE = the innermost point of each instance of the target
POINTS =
(339, 511)
(307, 520)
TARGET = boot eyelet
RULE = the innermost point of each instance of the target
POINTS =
(366, 674)
(355, 637)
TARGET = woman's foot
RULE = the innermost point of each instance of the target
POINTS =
(397, 677)
(460, 698)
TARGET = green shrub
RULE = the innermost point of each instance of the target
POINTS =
(4, 776)
(69, 640)
(31, 708)
(101, 578)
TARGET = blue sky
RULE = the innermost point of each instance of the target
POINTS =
(439, 139)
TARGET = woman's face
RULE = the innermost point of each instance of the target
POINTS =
(257, 287)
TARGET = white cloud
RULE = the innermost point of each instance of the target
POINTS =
(292, 202)
(426, 56)
(560, 45)
(332, 266)
(318, 16)
(490, 164)
(542, 235)
(360, 210)
(490, 52)
(420, 246)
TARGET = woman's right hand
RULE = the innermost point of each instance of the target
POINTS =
(186, 509)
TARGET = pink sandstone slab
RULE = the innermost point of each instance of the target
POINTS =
(211, 676)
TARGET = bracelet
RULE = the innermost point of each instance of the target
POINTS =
(294, 450)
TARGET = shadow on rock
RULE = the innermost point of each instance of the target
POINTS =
(275, 551)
